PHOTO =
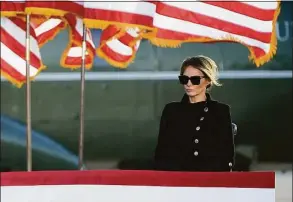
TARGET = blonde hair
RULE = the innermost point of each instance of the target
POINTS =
(206, 65)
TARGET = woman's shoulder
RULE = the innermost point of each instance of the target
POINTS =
(220, 108)
(220, 105)
(172, 106)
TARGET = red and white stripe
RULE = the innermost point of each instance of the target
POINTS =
(133, 186)
(248, 22)
(13, 50)
(131, 12)
(47, 29)
(118, 47)
(72, 56)
(58, 7)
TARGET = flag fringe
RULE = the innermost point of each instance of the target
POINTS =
(17, 83)
(103, 24)
(36, 18)
(11, 13)
(53, 36)
(45, 11)
(57, 31)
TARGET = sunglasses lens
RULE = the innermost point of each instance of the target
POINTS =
(183, 80)
(195, 80)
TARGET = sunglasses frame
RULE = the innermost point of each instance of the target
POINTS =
(198, 79)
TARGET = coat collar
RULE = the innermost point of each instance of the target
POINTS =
(185, 98)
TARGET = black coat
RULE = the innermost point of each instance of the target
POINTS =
(181, 147)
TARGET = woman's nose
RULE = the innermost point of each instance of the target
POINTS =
(189, 83)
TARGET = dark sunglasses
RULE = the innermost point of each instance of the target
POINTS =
(195, 80)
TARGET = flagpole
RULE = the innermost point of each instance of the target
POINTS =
(82, 89)
(28, 98)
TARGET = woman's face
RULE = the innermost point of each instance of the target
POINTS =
(193, 90)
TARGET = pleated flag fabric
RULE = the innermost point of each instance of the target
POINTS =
(119, 46)
(13, 51)
(72, 56)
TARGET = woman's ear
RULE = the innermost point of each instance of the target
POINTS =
(208, 86)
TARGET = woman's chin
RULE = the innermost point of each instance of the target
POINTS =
(191, 93)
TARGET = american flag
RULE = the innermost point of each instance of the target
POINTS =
(100, 14)
(13, 51)
(72, 56)
(47, 29)
(119, 46)
(249, 23)
(164, 23)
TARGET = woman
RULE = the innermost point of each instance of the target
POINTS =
(196, 133)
